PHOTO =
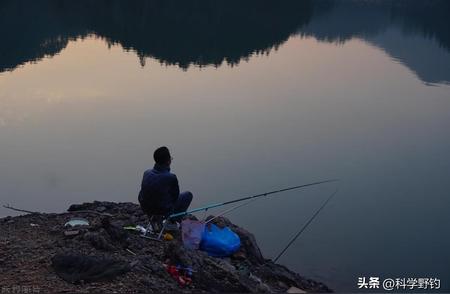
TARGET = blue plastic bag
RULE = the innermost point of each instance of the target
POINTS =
(219, 242)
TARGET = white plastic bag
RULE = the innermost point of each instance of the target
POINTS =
(191, 233)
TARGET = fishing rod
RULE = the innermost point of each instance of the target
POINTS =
(230, 210)
(305, 226)
(248, 198)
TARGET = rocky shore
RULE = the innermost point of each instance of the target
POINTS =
(39, 254)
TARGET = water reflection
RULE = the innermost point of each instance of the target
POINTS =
(413, 32)
(213, 32)
(174, 32)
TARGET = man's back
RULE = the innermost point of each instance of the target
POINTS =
(159, 190)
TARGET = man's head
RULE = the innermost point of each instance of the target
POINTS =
(162, 156)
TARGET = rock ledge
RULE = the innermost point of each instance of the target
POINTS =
(34, 250)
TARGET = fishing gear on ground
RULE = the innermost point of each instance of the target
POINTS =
(221, 242)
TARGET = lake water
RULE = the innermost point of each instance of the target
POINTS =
(250, 96)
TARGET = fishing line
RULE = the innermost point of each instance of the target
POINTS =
(305, 226)
(248, 198)
(230, 210)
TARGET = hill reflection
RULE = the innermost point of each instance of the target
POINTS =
(200, 32)
(413, 32)
(212, 32)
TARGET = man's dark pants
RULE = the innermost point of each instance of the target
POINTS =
(182, 203)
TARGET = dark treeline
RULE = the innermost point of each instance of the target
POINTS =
(201, 32)
(208, 32)
(413, 32)
(341, 20)
(430, 18)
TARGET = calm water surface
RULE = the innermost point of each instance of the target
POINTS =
(249, 97)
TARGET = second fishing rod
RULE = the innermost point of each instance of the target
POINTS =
(204, 208)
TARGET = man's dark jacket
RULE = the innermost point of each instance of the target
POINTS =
(159, 190)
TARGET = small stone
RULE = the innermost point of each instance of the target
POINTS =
(240, 255)
(71, 233)
(98, 241)
(263, 288)
(54, 230)
(75, 207)
(295, 290)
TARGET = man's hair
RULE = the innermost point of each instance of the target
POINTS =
(161, 155)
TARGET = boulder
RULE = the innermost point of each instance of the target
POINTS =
(75, 268)
(98, 241)
(249, 247)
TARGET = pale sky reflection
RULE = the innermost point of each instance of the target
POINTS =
(91, 69)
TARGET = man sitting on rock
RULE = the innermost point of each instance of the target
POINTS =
(160, 193)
